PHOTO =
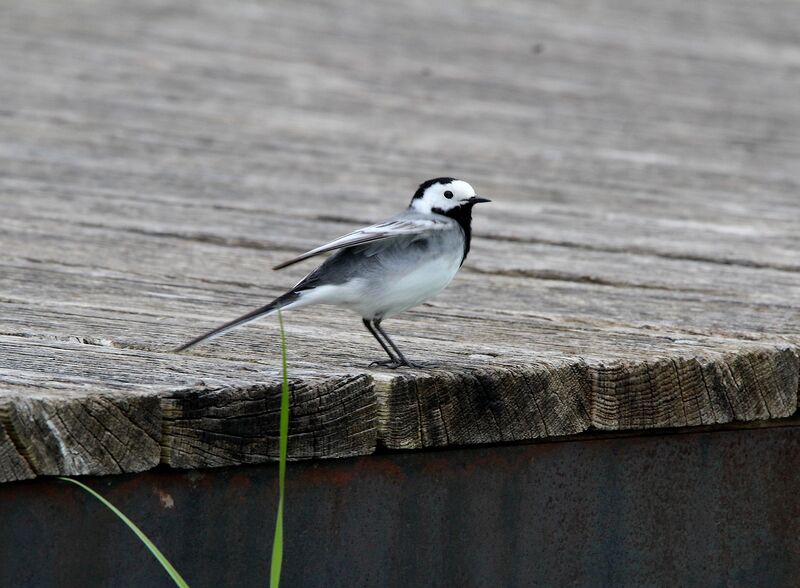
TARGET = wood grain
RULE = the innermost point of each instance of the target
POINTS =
(66, 431)
(639, 266)
(208, 426)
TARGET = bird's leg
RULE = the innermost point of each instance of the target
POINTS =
(403, 360)
(392, 361)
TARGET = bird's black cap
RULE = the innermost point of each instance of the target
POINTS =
(428, 183)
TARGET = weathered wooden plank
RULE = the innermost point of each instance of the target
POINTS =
(750, 385)
(638, 267)
(620, 291)
(67, 431)
(210, 426)
(484, 405)
(13, 465)
(494, 405)
(87, 417)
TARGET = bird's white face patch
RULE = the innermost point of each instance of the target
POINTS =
(443, 196)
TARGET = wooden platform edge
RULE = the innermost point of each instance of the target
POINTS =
(535, 402)
(222, 425)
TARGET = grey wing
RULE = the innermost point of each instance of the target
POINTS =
(376, 261)
(396, 227)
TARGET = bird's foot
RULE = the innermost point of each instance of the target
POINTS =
(411, 364)
(393, 364)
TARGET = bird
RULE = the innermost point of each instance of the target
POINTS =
(386, 268)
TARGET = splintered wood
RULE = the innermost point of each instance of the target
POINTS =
(639, 266)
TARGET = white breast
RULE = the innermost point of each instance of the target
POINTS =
(391, 293)
(414, 287)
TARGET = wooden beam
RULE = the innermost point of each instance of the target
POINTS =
(638, 267)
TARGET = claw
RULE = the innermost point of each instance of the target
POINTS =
(387, 363)
(393, 364)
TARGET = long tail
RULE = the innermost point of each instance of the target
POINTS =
(274, 306)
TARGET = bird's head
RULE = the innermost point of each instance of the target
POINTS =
(445, 196)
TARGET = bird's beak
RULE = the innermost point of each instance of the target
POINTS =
(478, 200)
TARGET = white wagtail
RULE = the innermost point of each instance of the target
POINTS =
(384, 269)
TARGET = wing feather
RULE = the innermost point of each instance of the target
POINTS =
(379, 232)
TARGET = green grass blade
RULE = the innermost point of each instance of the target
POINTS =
(173, 573)
(277, 543)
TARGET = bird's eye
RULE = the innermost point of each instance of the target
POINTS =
(448, 194)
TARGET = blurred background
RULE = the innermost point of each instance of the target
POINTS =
(157, 134)
(239, 102)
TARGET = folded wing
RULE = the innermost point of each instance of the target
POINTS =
(379, 232)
